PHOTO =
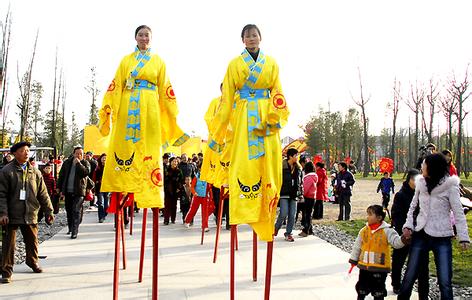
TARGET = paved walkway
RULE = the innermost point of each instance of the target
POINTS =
(310, 268)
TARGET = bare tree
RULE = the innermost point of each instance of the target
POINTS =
(92, 89)
(362, 103)
(431, 99)
(448, 105)
(4, 50)
(459, 91)
(25, 89)
(394, 106)
(414, 102)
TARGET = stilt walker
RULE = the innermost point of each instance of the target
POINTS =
(139, 114)
(252, 91)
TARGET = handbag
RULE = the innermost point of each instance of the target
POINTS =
(89, 196)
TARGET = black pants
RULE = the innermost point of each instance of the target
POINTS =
(371, 283)
(398, 260)
(344, 207)
(318, 210)
(170, 208)
(75, 211)
(216, 200)
(300, 208)
(184, 208)
(385, 199)
(30, 237)
(308, 210)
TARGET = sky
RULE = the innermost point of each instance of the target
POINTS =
(318, 45)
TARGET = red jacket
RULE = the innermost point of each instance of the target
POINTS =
(309, 185)
(322, 185)
(452, 170)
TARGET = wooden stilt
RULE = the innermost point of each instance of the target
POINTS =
(236, 239)
(143, 239)
(131, 219)
(218, 225)
(117, 245)
(254, 256)
(122, 224)
(233, 241)
(155, 252)
(268, 276)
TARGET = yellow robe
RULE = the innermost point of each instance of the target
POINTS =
(136, 167)
(211, 159)
(254, 184)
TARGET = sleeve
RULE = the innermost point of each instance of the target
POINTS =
(171, 132)
(458, 211)
(194, 183)
(394, 238)
(395, 211)
(43, 196)
(379, 186)
(83, 168)
(350, 181)
(221, 119)
(356, 250)
(111, 101)
(278, 112)
(3, 195)
(210, 112)
(413, 205)
(393, 186)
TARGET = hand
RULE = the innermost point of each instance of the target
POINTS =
(49, 219)
(76, 160)
(407, 233)
(4, 220)
(405, 240)
(465, 246)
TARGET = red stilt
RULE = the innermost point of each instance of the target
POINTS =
(155, 251)
(231, 276)
(254, 256)
(218, 225)
(122, 224)
(268, 276)
(236, 239)
(143, 239)
(117, 245)
(131, 219)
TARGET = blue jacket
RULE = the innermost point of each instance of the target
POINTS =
(386, 185)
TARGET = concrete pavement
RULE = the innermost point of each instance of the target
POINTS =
(309, 268)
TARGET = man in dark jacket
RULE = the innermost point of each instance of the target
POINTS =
(344, 183)
(22, 194)
(291, 172)
(400, 207)
(72, 183)
(187, 168)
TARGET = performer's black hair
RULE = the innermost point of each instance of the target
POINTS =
(141, 27)
(249, 27)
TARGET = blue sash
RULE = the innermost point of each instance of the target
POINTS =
(133, 124)
(252, 95)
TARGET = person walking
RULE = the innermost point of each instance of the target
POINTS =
(344, 183)
(321, 190)
(22, 193)
(310, 181)
(172, 186)
(102, 197)
(400, 206)
(72, 183)
(430, 229)
(288, 193)
(386, 185)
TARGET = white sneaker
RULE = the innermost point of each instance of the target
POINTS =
(187, 225)
(207, 229)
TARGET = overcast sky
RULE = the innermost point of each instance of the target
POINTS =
(317, 44)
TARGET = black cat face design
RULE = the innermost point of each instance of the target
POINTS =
(224, 164)
(250, 192)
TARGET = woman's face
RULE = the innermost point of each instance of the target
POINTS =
(103, 159)
(174, 164)
(448, 158)
(143, 38)
(424, 169)
(252, 39)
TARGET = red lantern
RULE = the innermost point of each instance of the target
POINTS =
(386, 165)
(317, 158)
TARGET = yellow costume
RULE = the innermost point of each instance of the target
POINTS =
(260, 111)
(141, 109)
(211, 159)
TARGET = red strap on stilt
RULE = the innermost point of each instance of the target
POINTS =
(155, 252)
(254, 256)
(232, 246)
(268, 276)
(143, 239)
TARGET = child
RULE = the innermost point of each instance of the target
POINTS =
(186, 198)
(50, 182)
(202, 195)
(386, 184)
(371, 253)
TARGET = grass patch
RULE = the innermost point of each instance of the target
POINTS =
(461, 260)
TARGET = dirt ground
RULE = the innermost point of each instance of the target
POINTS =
(363, 195)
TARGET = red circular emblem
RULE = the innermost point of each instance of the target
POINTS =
(111, 87)
(170, 93)
(156, 177)
(279, 101)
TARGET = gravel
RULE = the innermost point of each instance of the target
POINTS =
(345, 242)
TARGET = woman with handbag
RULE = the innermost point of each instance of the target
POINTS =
(102, 197)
